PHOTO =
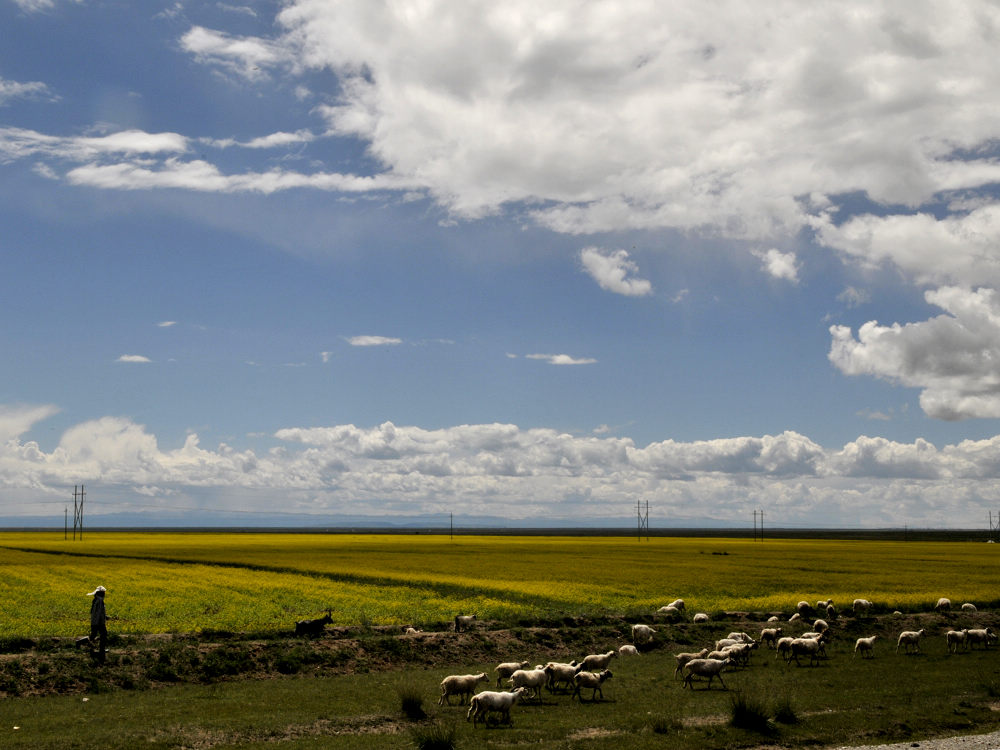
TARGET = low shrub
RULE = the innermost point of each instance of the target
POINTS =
(436, 736)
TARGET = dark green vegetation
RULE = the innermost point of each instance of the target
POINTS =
(366, 687)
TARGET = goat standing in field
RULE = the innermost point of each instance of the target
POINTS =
(313, 627)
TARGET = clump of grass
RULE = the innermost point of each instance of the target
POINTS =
(435, 736)
(411, 701)
(749, 712)
(665, 724)
(784, 711)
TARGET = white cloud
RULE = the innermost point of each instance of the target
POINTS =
(854, 297)
(610, 270)
(30, 90)
(779, 265)
(491, 469)
(373, 341)
(562, 359)
(247, 57)
(951, 357)
(19, 143)
(134, 358)
(166, 324)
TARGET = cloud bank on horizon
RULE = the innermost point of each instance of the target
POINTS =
(859, 131)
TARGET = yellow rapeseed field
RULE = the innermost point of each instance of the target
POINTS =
(178, 582)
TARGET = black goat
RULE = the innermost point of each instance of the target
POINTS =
(313, 627)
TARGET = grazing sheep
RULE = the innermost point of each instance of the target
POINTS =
(795, 617)
(532, 679)
(462, 685)
(628, 650)
(969, 607)
(823, 605)
(811, 647)
(507, 668)
(909, 638)
(804, 609)
(784, 647)
(590, 680)
(862, 607)
(773, 618)
(677, 604)
(740, 653)
(595, 662)
(984, 636)
(313, 627)
(411, 631)
(865, 646)
(487, 702)
(560, 673)
(684, 658)
(957, 639)
(943, 605)
(700, 618)
(724, 642)
(831, 612)
(744, 637)
(463, 622)
(820, 626)
(710, 668)
(770, 636)
(672, 612)
(642, 634)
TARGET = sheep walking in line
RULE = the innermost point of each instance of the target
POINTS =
(462, 685)
(642, 634)
(957, 639)
(684, 658)
(531, 679)
(314, 627)
(811, 647)
(505, 669)
(784, 648)
(710, 668)
(770, 636)
(595, 662)
(464, 622)
(865, 647)
(909, 639)
(590, 680)
(981, 636)
(560, 674)
(489, 702)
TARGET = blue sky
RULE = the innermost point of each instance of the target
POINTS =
(504, 260)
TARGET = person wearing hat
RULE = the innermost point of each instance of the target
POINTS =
(98, 624)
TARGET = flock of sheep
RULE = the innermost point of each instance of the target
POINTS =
(590, 673)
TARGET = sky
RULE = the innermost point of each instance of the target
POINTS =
(505, 262)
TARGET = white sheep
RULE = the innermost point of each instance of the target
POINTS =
(804, 609)
(590, 680)
(684, 658)
(642, 634)
(770, 636)
(532, 679)
(783, 647)
(823, 605)
(677, 604)
(507, 668)
(956, 639)
(865, 646)
(820, 626)
(969, 607)
(487, 702)
(811, 647)
(463, 622)
(740, 652)
(724, 642)
(794, 617)
(461, 685)
(672, 612)
(774, 618)
(710, 668)
(831, 612)
(744, 637)
(909, 638)
(862, 607)
(983, 636)
(628, 650)
(595, 662)
(700, 618)
(411, 631)
(559, 673)
(943, 605)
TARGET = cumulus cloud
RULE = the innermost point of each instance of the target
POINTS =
(562, 359)
(520, 473)
(611, 271)
(373, 341)
(951, 357)
(779, 265)
(16, 90)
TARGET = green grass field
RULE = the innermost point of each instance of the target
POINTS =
(232, 676)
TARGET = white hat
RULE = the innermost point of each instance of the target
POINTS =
(98, 590)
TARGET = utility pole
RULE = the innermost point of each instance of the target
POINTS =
(755, 512)
(643, 520)
(78, 510)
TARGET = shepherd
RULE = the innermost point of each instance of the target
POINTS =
(98, 625)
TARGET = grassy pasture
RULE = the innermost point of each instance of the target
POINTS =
(182, 582)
